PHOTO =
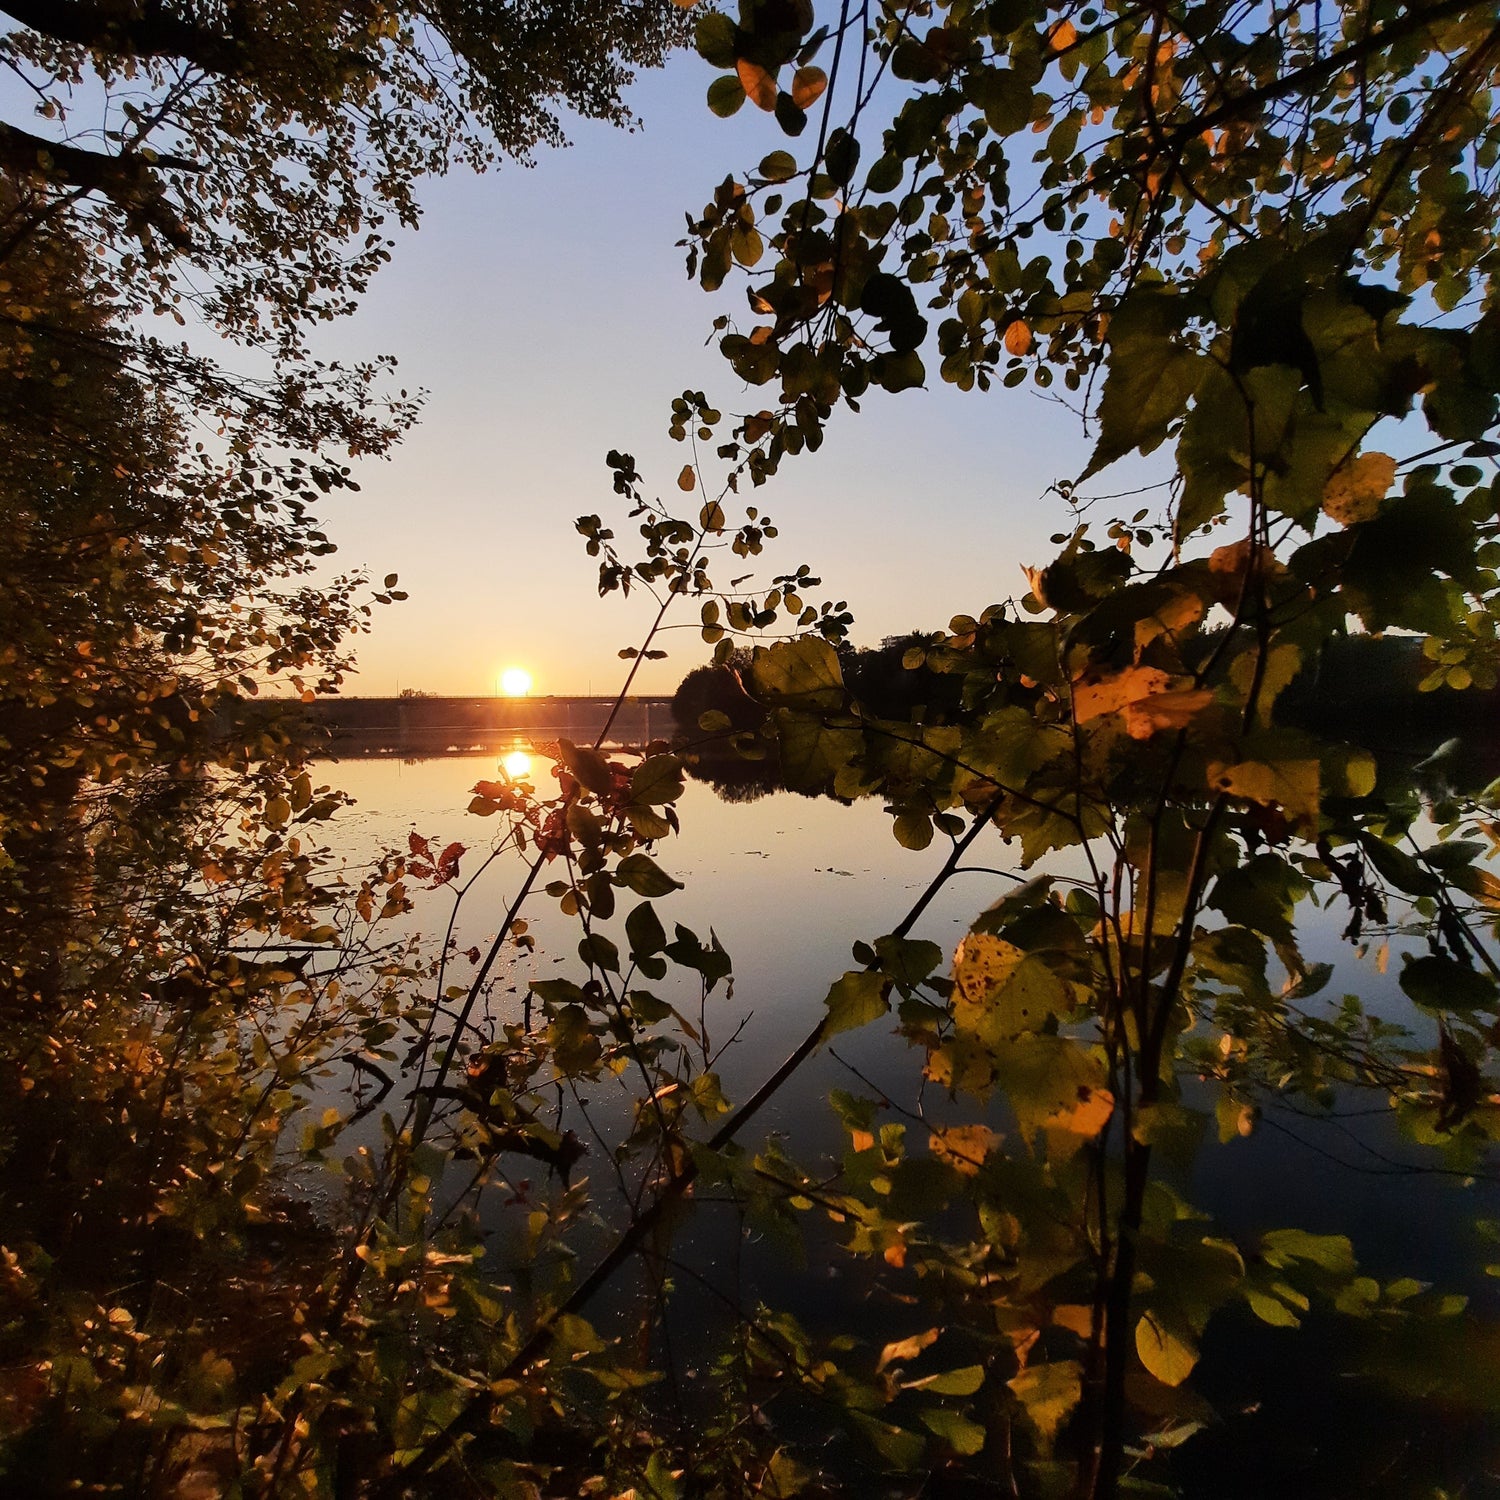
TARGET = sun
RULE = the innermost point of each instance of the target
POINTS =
(515, 682)
(516, 765)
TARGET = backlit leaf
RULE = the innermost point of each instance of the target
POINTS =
(759, 85)
(807, 86)
(1048, 1393)
(1166, 1350)
(1291, 785)
(901, 1350)
(964, 1147)
(1354, 492)
(855, 1000)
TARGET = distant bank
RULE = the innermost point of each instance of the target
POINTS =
(433, 725)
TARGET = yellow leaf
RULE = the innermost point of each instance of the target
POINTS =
(759, 85)
(1166, 1352)
(1360, 773)
(807, 86)
(1048, 1393)
(1354, 492)
(964, 1146)
(1018, 338)
(1291, 785)
(982, 961)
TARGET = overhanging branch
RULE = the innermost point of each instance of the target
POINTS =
(132, 182)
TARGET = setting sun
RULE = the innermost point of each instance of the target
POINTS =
(515, 682)
(516, 764)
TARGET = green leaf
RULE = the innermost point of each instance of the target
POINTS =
(812, 751)
(855, 1000)
(657, 780)
(1261, 894)
(714, 38)
(913, 830)
(900, 1448)
(1331, 1252)
(557, 991)
(644, 930)
(598, 952)
(963, 1436)
(961, 1382)
(1441, 983)
(726, 95)
(644, 876)
(804, 674)
(779, 166)
(907, 962)
(1400, 868)
(1151, 378)
(1271, 1310)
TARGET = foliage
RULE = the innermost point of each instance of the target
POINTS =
(1232, 183)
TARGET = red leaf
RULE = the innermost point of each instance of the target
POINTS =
(447, 863)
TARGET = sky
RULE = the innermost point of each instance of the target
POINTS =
(547, 313)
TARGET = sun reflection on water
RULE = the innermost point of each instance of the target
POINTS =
(516, 765)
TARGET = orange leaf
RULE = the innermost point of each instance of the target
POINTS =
(807, 86)
(1107, 695)
(1018, 338)
(1355, 491)
(687, 480)
(1075, 1317)
(964, 1146)
(759, 85)
(1174, 710)
(1063, 35)
(1088, 1116)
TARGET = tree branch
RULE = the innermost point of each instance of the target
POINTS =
(130, 181)
(126, 29)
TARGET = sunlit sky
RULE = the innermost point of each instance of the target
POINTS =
(548, 315)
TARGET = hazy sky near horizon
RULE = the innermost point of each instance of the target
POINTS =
(548, 316)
